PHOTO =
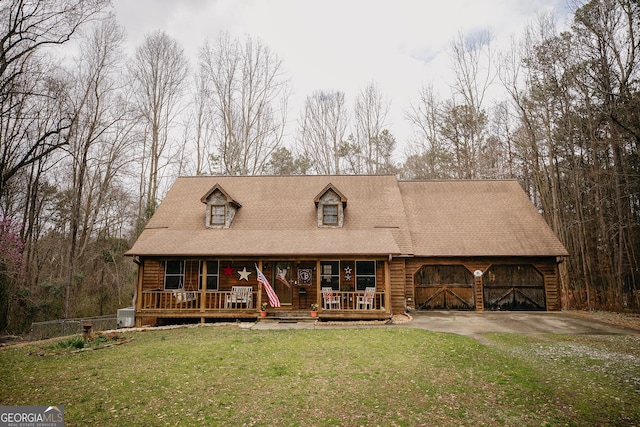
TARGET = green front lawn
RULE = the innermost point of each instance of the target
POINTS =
(387, 376)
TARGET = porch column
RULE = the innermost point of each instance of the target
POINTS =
(318, 286)
(478, 284)
(139, 291)
(203, 292)
(259, 306)
(387, 286)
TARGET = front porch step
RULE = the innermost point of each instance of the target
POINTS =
(288, 316)
(273, 321)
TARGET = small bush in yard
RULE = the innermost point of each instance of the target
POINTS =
(69, 343)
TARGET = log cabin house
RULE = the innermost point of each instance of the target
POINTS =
(360, 247)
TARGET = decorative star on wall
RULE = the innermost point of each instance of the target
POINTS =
(347, 270)
(244, 274)
(228, 270)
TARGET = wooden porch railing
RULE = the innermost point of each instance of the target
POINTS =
(191, 301)
(355, 301)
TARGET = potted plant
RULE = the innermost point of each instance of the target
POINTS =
(314, 310)
(263, 310)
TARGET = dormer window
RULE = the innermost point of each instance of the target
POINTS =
(331, 204)
(221, 208)
(217, 215)
(330, 215)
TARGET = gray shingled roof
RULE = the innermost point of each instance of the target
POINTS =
(383, 217)
(476, 218)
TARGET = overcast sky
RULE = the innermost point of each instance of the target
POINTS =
(401, 45)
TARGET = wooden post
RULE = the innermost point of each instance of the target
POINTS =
(203, 290)
(87, 334)
(139, 285)
(387, 286)
(318, 286)
(259, 306)
(478, 287)
(479, 293)
(138, 321)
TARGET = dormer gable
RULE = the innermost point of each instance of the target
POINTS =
(221, 208)
(330, 204)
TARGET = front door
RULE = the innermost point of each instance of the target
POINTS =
(283, 281)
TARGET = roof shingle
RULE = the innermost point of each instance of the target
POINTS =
(384, 216)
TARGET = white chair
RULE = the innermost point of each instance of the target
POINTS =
(240, 297)
(330, 300)
(368, 300)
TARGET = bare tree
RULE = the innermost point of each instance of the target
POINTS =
(504, 122)
(249, 97)
(35, 115)
(536, 76)
(159, 71)
(321, 131)
(454, 133)
(370, 113)
(607, 40)
(463, 127)
(577, 97)
(202, 122)
(28, 26)
(465, 121)
(428, 156)
(471, 64)
(96, 143)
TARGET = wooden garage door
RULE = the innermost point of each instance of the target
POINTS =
(448, 287)
(513, 287)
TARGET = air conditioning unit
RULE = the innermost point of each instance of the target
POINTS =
(126, 318)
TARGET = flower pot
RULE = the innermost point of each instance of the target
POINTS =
(263, 314)
(314, 314)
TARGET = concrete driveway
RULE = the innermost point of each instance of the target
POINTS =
(518, 322)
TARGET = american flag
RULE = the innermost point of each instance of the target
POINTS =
(273, 298)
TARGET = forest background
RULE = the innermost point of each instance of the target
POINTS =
(89, 145)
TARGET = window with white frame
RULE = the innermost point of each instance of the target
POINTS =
(330, 214)
(365, 275)
(174, 274)
(330, 274)
(217, 215)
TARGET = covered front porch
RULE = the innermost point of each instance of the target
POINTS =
(226, 305)
(209, 290)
